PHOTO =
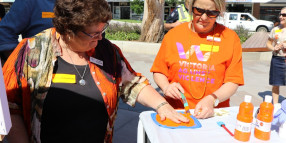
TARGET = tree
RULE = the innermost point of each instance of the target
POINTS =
(152, 26)
(137, 6)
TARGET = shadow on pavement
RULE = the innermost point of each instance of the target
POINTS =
(125, 128)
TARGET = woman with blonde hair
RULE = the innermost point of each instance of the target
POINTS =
(277, 43)
(201, 59)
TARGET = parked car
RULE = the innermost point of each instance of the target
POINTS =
(233, 20)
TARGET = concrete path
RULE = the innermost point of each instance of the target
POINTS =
(141, 57)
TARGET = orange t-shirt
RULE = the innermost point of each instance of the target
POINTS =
(200, 61)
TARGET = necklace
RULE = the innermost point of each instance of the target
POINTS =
(208, 67)
(81, 82)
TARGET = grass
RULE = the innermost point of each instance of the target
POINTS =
(123, 32)
(128, 20)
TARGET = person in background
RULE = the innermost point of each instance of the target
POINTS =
(242, 18)
(201, 59)
(64, 84)
(2, 11)
(276, 21)
(26, 18)
(277, 43)
(179, 15)
(2, 14)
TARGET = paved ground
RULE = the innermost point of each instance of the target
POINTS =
(256, 84)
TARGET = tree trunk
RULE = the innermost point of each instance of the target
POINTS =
(153, 21)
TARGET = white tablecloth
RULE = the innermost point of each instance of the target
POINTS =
(210, 132)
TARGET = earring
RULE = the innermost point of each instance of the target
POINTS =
(69, 38)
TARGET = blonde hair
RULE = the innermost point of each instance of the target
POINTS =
(219, 5)
(283, 8)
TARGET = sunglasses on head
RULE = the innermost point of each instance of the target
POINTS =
(209, 13)
(283, 14)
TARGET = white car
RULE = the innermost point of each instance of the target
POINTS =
(233, 20)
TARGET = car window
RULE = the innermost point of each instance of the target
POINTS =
(233, 17)
(245, 17)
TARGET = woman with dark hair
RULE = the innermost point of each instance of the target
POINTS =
(63, 84)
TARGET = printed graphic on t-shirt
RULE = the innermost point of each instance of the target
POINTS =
(196, 71)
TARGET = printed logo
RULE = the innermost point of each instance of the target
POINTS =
(198, 49)
(196, 71)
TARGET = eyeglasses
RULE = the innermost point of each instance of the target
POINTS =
(97, 34)
(210, 13)
(283, 14)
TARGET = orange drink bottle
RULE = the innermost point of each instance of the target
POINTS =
(244, 119)
(264, 118)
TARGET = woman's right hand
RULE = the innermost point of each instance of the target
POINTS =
(278, 47)
(167, 111)
(173, 90)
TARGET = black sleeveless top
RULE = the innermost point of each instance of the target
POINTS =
(73, 113)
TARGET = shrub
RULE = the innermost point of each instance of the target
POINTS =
(119, 35)
(242, 33)
(126, 32)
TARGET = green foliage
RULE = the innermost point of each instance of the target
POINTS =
(128, 20)
(242, 33)
(123, 32)
(137, 6)
(119, 35)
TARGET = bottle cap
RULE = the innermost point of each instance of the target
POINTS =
(268, 98)
(247, 98)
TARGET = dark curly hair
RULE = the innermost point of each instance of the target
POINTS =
(72, 16)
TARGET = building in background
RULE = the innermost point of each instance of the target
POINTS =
(271, 10)
(261, 9)
(121, 9)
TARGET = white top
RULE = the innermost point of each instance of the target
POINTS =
(278, 35)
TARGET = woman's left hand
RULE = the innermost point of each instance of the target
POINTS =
(205, 108)
(167, 111)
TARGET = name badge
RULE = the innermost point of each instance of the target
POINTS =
(96, 61)
(64, 78)
(48, 15)
(278, 31)
(211, 38)
(208, 48)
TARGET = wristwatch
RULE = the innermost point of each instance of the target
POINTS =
(216, 101)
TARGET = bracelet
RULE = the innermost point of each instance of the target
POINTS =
(161, 104)
(214, 96)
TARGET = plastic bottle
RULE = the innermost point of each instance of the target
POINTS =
(244, 119)
(264, 118)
